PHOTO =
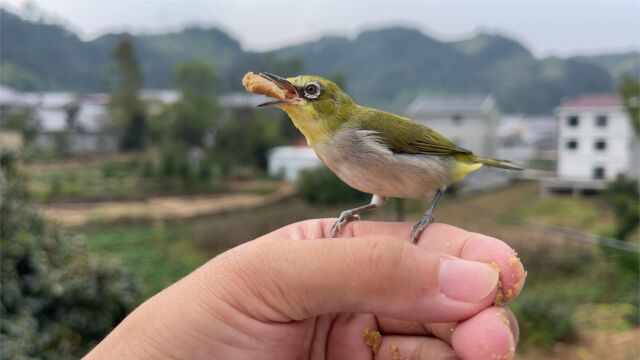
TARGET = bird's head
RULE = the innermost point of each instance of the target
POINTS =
(316, 105)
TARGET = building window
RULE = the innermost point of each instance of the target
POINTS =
(457, 119)
(598, 172)
(572, 144)
(601, 121)
(573, 121)
(600, 145)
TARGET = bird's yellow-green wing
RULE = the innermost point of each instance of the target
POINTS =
(402, 135)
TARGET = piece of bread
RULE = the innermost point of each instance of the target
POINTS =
(258, 85)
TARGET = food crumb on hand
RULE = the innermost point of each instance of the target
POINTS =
(395, 353)
(372, 338)
(500, 299)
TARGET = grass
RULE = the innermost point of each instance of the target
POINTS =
(113, 179)
(157, 254)
(160, 253)
(589, 215)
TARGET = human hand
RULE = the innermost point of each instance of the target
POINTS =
(283, 296)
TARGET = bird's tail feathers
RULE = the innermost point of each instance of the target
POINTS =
(502, 164)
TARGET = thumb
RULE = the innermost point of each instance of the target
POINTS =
(296, 279)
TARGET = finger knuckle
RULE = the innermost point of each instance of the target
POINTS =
(383, 253)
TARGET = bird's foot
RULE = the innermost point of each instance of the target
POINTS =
(345, 217)
(422, 224)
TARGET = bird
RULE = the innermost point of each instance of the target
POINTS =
(373, 151)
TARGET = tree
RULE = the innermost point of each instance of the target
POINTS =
(63, 140)
(246, 136)
(195, 78)
(125, 80)
(56, 300)
(630, 91)
(25, 121)
(194, 115)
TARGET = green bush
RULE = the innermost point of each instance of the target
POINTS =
(56, 301)
(147, 169)
(545, 320)
(623, 196)
(321, 186)
(112, 168)
(173, 160)
(55, 188)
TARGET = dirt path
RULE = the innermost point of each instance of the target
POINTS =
(161, 207)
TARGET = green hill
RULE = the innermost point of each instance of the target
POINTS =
(616, 64)
(385, 68)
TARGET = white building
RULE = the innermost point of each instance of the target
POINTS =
(469, 121)
(287, 162)
(595, 138)
(93, 131)
(595, 143)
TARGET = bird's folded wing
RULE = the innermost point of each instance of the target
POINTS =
(402, 135)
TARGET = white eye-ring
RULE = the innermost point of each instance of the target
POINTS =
(312, 90)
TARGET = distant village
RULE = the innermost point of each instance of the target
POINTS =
(587, 141)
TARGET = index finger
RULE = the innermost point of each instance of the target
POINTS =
(436, 237)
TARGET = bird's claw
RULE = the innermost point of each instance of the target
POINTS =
(345, 217)
(419, 227)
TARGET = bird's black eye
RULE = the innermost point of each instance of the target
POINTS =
(312, 90)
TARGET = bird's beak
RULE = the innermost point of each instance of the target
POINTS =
(291, 93)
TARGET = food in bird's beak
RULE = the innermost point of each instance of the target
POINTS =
(273, 86)
(257, 84)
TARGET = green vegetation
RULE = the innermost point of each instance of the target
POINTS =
(57, 300)
(561, 283)
(134, 177)
(321, 186)
(617, 64)
(23, 121)
(193, 117)
(125, 80)
(158, 253)
(624, 198)
(589, 215)
(629, 89)
(244, 137)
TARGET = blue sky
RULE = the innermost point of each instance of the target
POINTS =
(547, 27)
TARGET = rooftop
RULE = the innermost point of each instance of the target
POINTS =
(593, 100)
(432, 105)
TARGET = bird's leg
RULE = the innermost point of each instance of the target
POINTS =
(352, 214)
(426, 218)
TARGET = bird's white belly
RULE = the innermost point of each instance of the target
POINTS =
(358, 158)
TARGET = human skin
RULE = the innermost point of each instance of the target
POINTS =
(297, 294)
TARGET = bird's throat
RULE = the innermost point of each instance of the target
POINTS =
(308, 122)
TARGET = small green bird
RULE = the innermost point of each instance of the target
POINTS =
(374, 151)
